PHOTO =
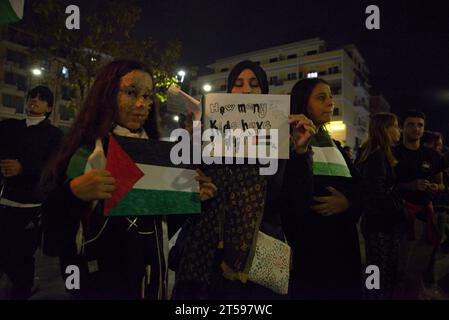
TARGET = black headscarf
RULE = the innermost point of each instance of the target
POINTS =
(258, 71)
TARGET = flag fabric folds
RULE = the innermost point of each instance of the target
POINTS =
(147, 182)
(11, 11)
(327, 159)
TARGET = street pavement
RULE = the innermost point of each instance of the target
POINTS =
(50, 286)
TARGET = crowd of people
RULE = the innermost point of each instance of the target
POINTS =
(396, 190)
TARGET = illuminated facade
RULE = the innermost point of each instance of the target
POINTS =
(18, 74)
(343, 68)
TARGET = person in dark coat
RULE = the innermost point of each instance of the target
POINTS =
(25, 147)
(321, 207)
(383, 218)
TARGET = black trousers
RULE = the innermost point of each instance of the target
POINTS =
(121, 264)
(19, 238)
(382, 250)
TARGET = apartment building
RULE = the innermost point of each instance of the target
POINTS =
(19, 73)
(344, 68)
(378, 103)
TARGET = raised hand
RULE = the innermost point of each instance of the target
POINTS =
(207, 188)
(303, 131)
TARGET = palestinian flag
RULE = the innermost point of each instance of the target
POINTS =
(147, 182)
(261, 140)
(11, 11)
(327, 159)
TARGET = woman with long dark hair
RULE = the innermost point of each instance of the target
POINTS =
(320, 209)
(119, 257)
(383, 216)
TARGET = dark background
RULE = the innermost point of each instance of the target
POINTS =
(408, 57)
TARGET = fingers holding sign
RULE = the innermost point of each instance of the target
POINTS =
(303, 130)
(207, 187)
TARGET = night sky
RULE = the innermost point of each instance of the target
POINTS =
(408, 57)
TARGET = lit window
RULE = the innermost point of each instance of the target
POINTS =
(334, 126)
(312, 75)
(65, 72)
(207, 87)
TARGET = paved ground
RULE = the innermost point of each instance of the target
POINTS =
(48, 279)
(51, 287)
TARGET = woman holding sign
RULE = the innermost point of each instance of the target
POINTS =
(321, 212)
(221, 252)
(119, 257)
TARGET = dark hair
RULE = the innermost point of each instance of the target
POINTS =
(378, 138)
(412, 113)
(300, 95)
(96, 117)
(258, 71)
(44, 93)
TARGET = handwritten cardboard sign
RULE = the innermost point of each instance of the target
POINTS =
(262, 118)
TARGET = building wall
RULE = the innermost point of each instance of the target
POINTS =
(15, 60)
(294, 62)
(379, 104)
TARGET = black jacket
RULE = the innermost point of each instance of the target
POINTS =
(383, 210)
(32, 146)
(326, 253)
(119, 247)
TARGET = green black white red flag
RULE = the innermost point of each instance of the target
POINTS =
(147, 182)
(11, 11)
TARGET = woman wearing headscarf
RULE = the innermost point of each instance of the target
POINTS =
(321, 212)
(220, 247)
(119, 257)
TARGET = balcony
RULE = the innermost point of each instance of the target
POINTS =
(359, 103)
(19, 67)
(362, 84)
(277, 83)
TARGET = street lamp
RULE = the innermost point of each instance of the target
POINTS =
(36, 72)
(207, 87)
(182, 74)
(176, 118)
(65, 72)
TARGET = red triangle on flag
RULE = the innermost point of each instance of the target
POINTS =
(124, 170)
